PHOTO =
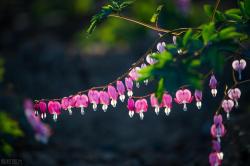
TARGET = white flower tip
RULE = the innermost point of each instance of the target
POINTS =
(214, 92)
(104, 107)
(167, 111)
(141, 115)
(131, 114)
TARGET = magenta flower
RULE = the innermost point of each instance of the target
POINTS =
(183, 97)
(216, 146)
(93, 98)
(36, 108)
(43, 109)
(167, 103)
(104, 100)
(161, 46)
(218, 129)
(239, 65)
(215, 158)
(154, 103)
(131, 107)
(121, 90)
(113, 95)
(65, 104)
(82, 102)
(227, 105)
(198, 98)
(129, 86)
(234, 94)
(54, 108)
(150, 59)
(42, 130)
(213, 85)
(140, 107)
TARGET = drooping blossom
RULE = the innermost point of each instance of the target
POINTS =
(43, 109)
(167, 103)
(93, 98)
(154, 103)
(134, 75)
(217, 129)
(183, 97)
(67, 103)
(129, 86)
(213, 85)
(121, 90)
(143, 66)
(198, 98)
(174, 40)
(131, 107)
(161, 46)
(239, 65)
(54, 108)
(113, 95)
(216, 146)
(42, 130)
(82, 102)
(36, 108)
(141, 106)
(227, 105)
(234, 94)
(104, 100)
(215, 158)
(150, 59)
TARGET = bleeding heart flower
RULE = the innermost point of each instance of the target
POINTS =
(227, 105)
(215, 158)
(134, 75)
(43, 109)
(121, 90)
(104, 100)
(198, 98)
(216, 146)
(218, 119)
(131, 107)
(113, 95)
(151, 60)
(234, 94)
(154, 103)
(213, 85)
(93, 98)
(161, 46)
(36, 108)
(82, 102)
(54, 108)
(183, 97)
(239, 65)
(218, 129)
(174, 40)
(141, 106)
(129, 86)
(167, 103)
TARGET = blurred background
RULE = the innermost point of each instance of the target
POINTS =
(45, 53)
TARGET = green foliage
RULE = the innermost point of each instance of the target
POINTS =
(155, 16)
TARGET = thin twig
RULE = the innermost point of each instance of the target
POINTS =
(216, 7)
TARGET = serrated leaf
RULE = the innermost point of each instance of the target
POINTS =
(155, 16)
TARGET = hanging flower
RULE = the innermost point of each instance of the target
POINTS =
(215, 158)
(218, 129)
(183, 97)
(104, 100)
(133, 74)
(36, 108)
(213, 85)
(43, 109)
(154, 103)
(227, 105)
(129, 86)
(234, 94)
(82, 102)
(121, 90)
(141, 106)
(113, 95)
(161, 46)
(131, 107)
(54, 108)
(143, 66)
(167, 103)
(42, 130)
(198, 98)
(66, 105)
(239, 65)
(93, 98)
(216, 146)
(174, 40)
(151, 60)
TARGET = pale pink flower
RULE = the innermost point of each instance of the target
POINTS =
(129, 86)
(93, 98)
(121, 90)
(150, 60)
(183, 97)
(161, 46)
(131, 107)
(154, 103)
(239, 65)
(82, 102)
(234, 94)
(213, 85)
(217, 129)
(104, 100)
(198, 98)
(54, 108)
(167, 103)
(113, 95)
(141, 106)
(227, 105)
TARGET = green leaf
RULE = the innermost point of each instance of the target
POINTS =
(155, 16)
(160, 89)
(208, 32)
(234, 17)
(233, 11)
(247, 7)
(145, 73)
(163, 58)
(208, 10)
(229, 33)
(195, 63)
(186, 37)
